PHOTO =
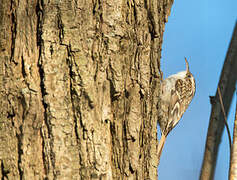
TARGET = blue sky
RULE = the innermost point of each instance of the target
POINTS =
(201, 31)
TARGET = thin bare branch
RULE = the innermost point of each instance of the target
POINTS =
(225, 117)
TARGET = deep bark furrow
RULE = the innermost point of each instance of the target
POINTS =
(4, 172)
(13, 30)
(72, 93)
(47, 139)
(20, 151)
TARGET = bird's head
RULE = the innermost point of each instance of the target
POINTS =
(184, 74)
(189, 76)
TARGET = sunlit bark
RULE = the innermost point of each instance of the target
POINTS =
(233, 160)
(79, 88)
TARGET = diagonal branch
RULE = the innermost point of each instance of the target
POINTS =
(225, 117)
(216, 126)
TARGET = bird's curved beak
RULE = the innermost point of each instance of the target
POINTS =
(187, 65)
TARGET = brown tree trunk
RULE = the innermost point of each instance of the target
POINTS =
(233, 159)
(79, 84)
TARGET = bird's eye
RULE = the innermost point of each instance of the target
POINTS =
(189, 75)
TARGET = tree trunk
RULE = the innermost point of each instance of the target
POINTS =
(80, 88)
(233, 159)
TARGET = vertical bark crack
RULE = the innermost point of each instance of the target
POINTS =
(48, 153)
(4, 172)
(60, 26)
(13, 31)
(20, 151)
(23, 67)
(71, 74)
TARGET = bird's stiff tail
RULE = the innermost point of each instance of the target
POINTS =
(161, 145)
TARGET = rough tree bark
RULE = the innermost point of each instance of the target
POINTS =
(80, 88)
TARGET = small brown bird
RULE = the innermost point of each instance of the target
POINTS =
(177, 92)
